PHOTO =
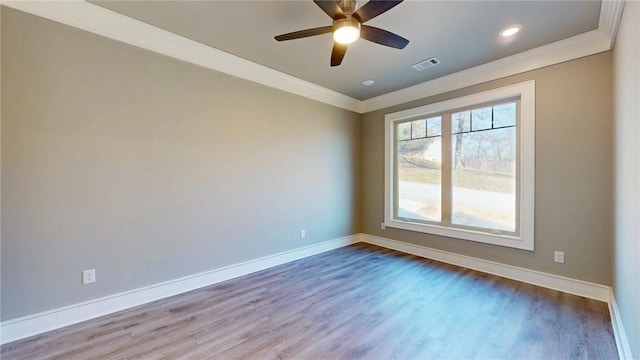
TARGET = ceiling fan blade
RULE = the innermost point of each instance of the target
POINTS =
(374, 8)
(304, 33)
(331, 8)
(382, 37)
(337, 54)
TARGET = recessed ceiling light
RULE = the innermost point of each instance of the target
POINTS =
(368, 82)
(510, 30)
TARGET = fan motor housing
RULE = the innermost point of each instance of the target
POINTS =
(348, 22)
(347, 6)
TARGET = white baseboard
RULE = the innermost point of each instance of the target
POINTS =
(622, 342)
(35, 324)
(555, 282)
(560, 283)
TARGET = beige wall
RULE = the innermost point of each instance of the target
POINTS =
(573, 173)
(626, 264)
(149, 169)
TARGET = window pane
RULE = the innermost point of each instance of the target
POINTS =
(481, 119)
(419, 179)
(504, 115)
(434, 126)
(419, 129)
(484, 177)
(404, 131)
(460, 122)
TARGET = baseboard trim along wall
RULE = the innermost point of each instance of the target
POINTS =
(555, 282)
(622, 342)
(35, 324)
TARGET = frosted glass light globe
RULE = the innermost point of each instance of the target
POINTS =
(346, 31)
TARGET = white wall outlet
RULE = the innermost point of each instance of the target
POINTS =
(382, 226)
(303, 234)
(558, 256)
(88, 276)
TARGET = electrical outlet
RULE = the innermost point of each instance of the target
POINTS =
(303, 234)
(382, 226)
(558, 256)
(88, 276)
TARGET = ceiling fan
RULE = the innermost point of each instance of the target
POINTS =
(348, 26)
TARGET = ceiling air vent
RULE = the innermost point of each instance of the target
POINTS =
(426, 64)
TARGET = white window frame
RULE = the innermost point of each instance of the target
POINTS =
(526, 162)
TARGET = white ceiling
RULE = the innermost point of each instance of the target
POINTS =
(461, 34)
(209, 33)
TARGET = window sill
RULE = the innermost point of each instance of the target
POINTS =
(477, 236)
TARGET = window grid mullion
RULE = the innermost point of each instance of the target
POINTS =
(446, 166)
(475, 228)
(492, 108)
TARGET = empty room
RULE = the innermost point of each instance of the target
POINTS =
(320, 179)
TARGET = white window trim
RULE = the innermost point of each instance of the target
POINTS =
(526, 127)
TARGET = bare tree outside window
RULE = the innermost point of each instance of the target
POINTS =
(483, 163)
(419, 171)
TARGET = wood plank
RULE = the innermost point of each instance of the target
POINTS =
(357, 302)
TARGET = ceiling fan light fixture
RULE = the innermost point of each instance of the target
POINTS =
(346, 27)
(346, 31)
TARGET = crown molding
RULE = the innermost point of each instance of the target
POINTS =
(585, 44)
(98, 20)
(578, 46)
(610, 16)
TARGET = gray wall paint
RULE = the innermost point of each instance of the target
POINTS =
(626, 264)
(149, 169)
(183, 170)
(573, 172)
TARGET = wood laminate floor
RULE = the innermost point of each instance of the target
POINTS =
(357, 302)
